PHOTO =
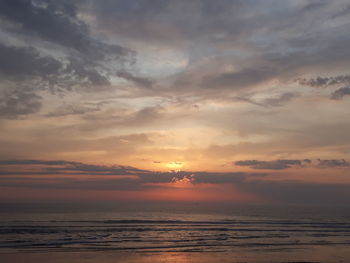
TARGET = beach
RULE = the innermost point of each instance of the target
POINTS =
(252, 234)
(316, 254)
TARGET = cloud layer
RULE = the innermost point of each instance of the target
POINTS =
(66, 175)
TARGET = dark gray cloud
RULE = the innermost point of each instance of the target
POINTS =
(237, 80)
(272, 165)
(19, 173)
(144, 82)
(26, 62)
(144, 116)
(341, 82)
(270, 47)
(333, 163)
(251, 101)
(286, 164)
(57, 22)
(229, 28)
(56, 167)
(72, 60)
(19, 103)
(36, 162)
(169, 22)
(277, 101)
(280, 100)
(27, 69)
(340, 93)
(61, 167)
(321, 82)
(118, 177)
(73, 109)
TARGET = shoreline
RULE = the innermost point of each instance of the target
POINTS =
(318, 254)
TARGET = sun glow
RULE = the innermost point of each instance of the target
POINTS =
(175, 165)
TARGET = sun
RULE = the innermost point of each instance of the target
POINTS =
(174, 165)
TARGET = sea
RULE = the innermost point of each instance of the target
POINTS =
(202, 232)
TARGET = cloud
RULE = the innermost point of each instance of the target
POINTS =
(36, 162)
(281, 99)
(57, 22)
(73, 109)
(324, 82)
(140, 117)
(26, 66)
(143, 82)
(61, 167)
(60, 174)
(321, 82)
(54, 21)
(340, 93)
(47, 47)
(333, 163)
(66, 167)
(237, 80)
(256, 38)
(278, 101)
(272, 165)
(257, 46)
(19, 103)
(187, 180)
(286, 164)
(26, 62)
(24, 73)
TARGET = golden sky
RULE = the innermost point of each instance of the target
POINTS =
(232, 101)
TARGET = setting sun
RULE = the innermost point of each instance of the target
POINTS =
(175, 165)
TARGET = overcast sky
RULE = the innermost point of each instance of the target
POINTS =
(227, 100)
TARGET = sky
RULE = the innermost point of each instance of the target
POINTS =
(207, 101)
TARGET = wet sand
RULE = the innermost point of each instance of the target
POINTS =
(338, 254)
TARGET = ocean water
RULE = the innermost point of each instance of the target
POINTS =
(179, 228)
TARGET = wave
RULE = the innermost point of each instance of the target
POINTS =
(171, 235)
(188, 222)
